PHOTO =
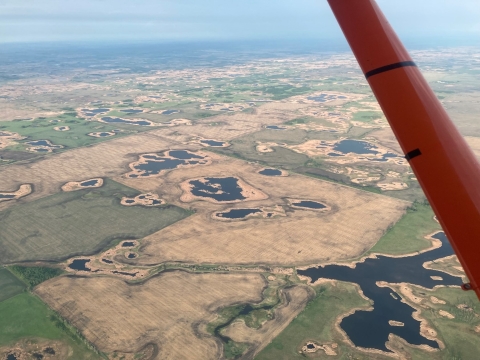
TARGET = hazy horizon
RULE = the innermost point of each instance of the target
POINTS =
(444, 22)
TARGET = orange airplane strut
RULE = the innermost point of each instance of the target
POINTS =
(443, 163)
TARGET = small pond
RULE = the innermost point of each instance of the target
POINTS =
(213, 143)
(355, 146)
(270, 172)
(308, 204)
(170, 112)
(238, 213)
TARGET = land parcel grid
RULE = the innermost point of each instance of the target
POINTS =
(355, 222)
(169, 310)
(79, 222)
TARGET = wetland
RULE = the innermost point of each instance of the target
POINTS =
(387, 303)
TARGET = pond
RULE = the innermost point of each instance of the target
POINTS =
(93, 112)
(112, 120)
(128, 244)
(270, 172)
(238, 213)
(355, 146)
(275, 127)
(386, 157)
(153, 164)
(170, 112)
(387, 303)
(335, 154)
(213, 143)
(79, 264)
(89, 183)
(325, 97)
(132, 111)
(219, 189)
(7, 196)
(308, 204)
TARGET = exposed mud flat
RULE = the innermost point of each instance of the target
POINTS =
(84, 184)
(147, 199)
(61, 128)
(22, 191)
(107, 263)
(102, 134)
(8, 138)
(42, 146)
(242, 213)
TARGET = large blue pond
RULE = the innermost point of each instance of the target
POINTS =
(370, 329)
(219, 189)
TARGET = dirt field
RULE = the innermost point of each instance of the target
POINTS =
(294, 299)
(355, 223)
(120, 317)
(103, 160)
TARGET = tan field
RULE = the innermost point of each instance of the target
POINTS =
(356, 221)
(294, 301)
(116, 316)
(103, 160)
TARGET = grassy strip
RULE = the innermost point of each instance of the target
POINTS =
(407, 235)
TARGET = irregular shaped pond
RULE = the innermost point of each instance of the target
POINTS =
(112, 120)
(213, 143)
(219, 189)
(270, 172)
(238, 213)
(89, 183)
(274, 127)
(79, 264)
(387, 303)
(153, 164)
(93, 112)
(355, 146)
(128, 244)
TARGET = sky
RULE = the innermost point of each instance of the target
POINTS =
(211, 20)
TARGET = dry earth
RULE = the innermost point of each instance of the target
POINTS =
(356, 221)
(120, 317)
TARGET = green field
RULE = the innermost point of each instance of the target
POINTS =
(77, 136)
(9, 285)
(25, 316)
(316, 323)
(407, 235)
(79, 222)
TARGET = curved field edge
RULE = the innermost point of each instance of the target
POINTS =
(81, 222)
(408, 234)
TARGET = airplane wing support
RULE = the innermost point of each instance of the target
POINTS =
(443, 163)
